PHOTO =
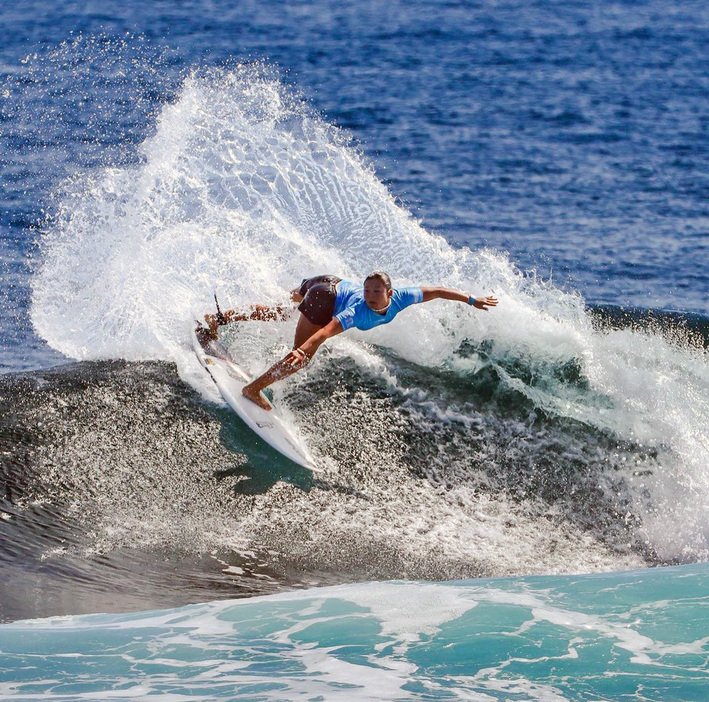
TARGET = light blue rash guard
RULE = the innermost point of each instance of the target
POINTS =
(352, 311)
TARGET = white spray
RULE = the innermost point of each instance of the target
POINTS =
(241, 189)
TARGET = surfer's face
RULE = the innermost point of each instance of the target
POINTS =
(376, 294)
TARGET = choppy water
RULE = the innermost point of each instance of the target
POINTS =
(552, 154)
(622, 636)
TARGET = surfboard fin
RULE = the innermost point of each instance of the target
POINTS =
(221, 319)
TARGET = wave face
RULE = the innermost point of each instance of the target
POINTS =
(610, 637)
(535, 438)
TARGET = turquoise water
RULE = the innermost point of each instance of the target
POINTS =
(638, 635)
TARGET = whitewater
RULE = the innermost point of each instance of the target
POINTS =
(244, 191)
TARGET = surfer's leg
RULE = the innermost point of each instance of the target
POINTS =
(259, 313)
(278, 371)
(317, 306)
(304, 330)
(282, 369)
(262, 313)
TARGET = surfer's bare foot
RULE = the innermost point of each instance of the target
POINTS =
(255, 396)
(212, 326)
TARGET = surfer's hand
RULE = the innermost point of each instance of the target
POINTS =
(482, 303)
(297, 358)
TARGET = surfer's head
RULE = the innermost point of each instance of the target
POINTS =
(377, 291)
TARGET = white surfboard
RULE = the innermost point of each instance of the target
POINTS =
(230, 379)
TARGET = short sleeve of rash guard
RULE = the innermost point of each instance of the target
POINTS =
(409, 296)
(346, 318)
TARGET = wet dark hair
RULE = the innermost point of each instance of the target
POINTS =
(381, 276)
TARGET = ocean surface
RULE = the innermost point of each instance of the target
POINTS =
(514, 503)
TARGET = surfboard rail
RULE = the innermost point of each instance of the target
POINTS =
(230, 379)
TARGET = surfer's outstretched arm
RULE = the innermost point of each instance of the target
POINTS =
(481, 303)
(294, 361)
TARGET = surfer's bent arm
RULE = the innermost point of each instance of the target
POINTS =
(306, 350)
(481, 303)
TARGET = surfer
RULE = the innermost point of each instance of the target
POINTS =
(329, 306)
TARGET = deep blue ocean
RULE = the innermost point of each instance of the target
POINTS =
(514, 503)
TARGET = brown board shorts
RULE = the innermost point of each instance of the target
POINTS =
(319, 294)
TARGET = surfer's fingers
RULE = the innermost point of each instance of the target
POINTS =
(296, 359)
(482, 303)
